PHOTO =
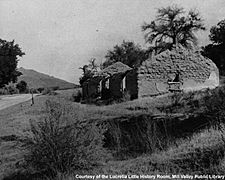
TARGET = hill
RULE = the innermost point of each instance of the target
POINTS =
(36, 79)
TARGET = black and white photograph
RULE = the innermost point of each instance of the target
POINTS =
(112, 89)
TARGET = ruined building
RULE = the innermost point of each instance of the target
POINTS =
(110, 82)
(178, 69)
(169, 71)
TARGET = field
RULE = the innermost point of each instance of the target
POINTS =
(172, 134)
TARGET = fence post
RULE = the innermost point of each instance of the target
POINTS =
(32, 97)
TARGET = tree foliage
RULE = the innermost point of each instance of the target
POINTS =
(217, 33)
(22, 86)
(172, 27)
(88, 70)
(9, 52)
(128, 53)
(216, 50)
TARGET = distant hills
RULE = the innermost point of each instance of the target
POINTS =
(36, 80)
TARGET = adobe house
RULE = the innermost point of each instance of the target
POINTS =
(110, 82)
(170, 71)
(176, 70)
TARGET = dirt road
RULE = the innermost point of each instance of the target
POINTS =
(7, 101)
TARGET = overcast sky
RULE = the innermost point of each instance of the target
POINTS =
(58, 36)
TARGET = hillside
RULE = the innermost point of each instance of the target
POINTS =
(147, 137)
(36, 79)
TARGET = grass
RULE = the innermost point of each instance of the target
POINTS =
(15, 122)
(61, 142)
(203, 153)
(193, 155)
(149, 129)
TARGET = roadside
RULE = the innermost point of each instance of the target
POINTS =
(10, 100)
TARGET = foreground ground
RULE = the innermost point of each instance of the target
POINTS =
(199, 153)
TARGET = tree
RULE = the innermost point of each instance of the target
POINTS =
(216, 50)
(22, 86)
(88, 70)
(93, 65)
(172, 28)
(128, 53)
(9, 53)
(217, 33)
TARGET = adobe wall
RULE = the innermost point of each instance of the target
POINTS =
(89, 89)
(85, 90)
(195, 72)
(132, 84)
(115, 86)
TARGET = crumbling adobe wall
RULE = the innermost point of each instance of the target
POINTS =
(115, 86)
(195, 72)
(132, 84)
(85, 90)
(90, 89)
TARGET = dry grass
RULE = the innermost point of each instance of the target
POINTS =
(61, 142)
(203, 153)
(200, 153)
(15, 120)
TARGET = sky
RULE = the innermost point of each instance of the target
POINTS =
(59, 36)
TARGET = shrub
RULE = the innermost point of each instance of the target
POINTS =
(40, 90)
(11, 89)
(48, 91)
(22, 87)
(62, 143)
(77, 96)
(54, 88)
(35, 91)
(3, 91)
(214, 104)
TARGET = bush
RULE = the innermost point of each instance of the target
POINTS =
(22, 87)
(11, 89)
(48, 91)
(61, 143)
(55, 88)
(215, 106)
(77, 96)
(3, 91)
(35, 91)
(40, 90)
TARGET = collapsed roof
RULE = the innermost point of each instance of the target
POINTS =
(116, 68)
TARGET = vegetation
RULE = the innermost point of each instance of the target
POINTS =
(217, 33)
(77, 96)
(9, 53)
(173, 134)
(215, 51)
(61, 142)
(180, 133)
(11, 89)
(171, 28)
(88, 70)
(128, 53)
(22, 86)
(48, 91)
